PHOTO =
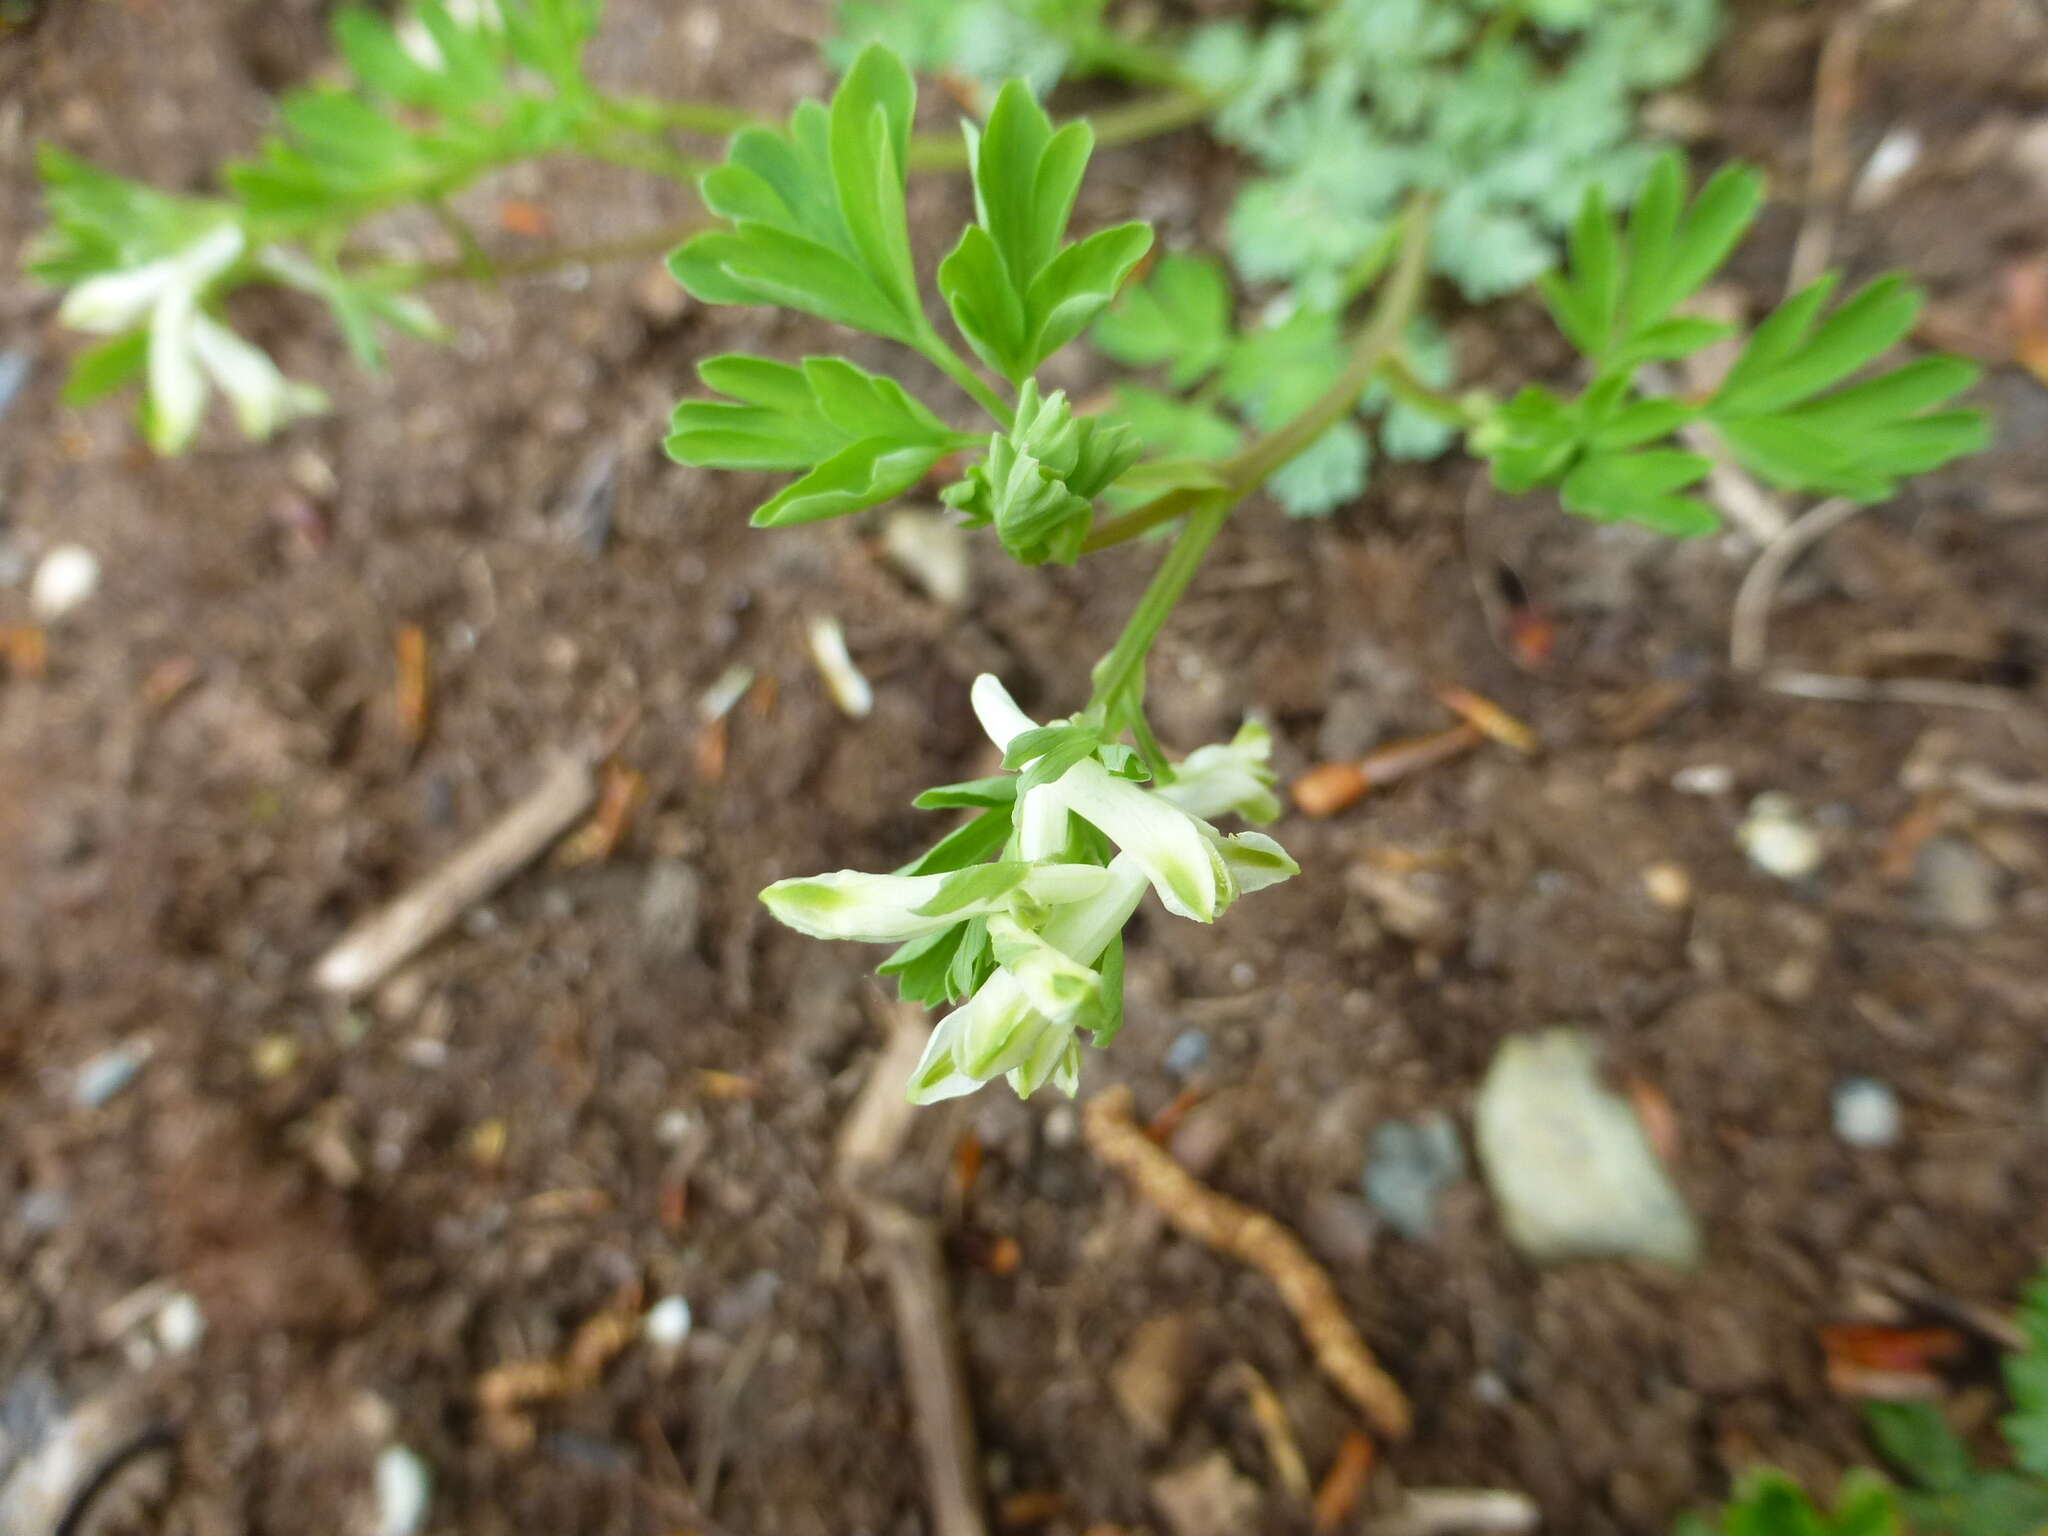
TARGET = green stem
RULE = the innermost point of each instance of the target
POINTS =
(957, 368)
(1250, 469)
(1411, 391)
(1117, 672)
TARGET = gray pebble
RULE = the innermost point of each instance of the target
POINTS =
(1866, 1112)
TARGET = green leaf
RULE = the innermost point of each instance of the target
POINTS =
(1715, 224)
(1179, 316)
(1109, 1021)
(1017, 294)
(860, 476)
(1918, 1440)
(921, 966)
(979, 883)
(969, 843)
(1175, 429)
(1863, 328)
(1077, 285)
(1866, 1505)
(973, 962)
(1641, 488)
(1324, 476)
(870, 154)
(1640, 422)
(1530, 440)
(1588, 303)
(1771, 1504)
(1001, 789)
(98, 371)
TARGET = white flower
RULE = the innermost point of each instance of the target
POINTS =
(1052, 924)
(187, 346)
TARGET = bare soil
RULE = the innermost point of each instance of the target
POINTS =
(620, 1074)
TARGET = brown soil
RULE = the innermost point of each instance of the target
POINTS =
(312, 1174)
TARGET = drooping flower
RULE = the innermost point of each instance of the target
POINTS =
(1033, 940)
(187, 347)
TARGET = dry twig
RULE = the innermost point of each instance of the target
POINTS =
(1749, 627)
(1834, 99)
(505, 1392)
(1344, 1484)
(392, 935)
(1469, 1511)
(1261, 1242)
(913, 1266)
(1275, 1429)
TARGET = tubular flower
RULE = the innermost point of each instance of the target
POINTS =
(1031, 943)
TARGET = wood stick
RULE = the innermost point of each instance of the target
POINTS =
(1261, 1242)
(914, 1270)
(1436, 1511)
(380, 943)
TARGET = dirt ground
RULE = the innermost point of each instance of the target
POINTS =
(619, 1074)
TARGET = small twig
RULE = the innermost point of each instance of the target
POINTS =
(1933, 692)
(380, 943)
(913, 1269)
(1283, 1451)
(725, 1396)
(1749, 625)
(1259, 1241)
(1468, 1511)
(1834, 99)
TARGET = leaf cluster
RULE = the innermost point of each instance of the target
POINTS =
(1787, 409)
(1221, 378)
(819, 224)
(1508, 111)
(990, 42)
(431, 104)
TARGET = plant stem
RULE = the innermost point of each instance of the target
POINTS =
(1125, 663)
(1249, 470)
(961, 372)
(1409, 388)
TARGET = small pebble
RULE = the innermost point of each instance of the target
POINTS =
(1704, 779)
(667, 1323)
(65, 578)
(42, 1211)
(14, 371)
(1188, 1054)
(674, 1127)
(1778, 839)
(1411, 1163)
(1668, 885)
(107, 1074)
(1889, 164)
(1957, 885)
(1867, 1113)
(404, 1489)
(1243, 973)
(180, 1325)
(1062, 1126)
(274, 1056)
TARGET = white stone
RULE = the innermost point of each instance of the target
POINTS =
(1568, 1162)
(1778, 840)
(1867, 1113)
(932, 550)
(667, 1323)
(404, 1489)
(67, 576)
(180, 1325)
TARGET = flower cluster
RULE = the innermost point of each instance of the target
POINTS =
(1039, 482)
(1032, 941)
(164, 300)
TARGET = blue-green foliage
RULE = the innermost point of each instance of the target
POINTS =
(990, 42)
(1181, 321)
(1509, 111)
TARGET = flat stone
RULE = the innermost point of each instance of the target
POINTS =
(1568, 1161)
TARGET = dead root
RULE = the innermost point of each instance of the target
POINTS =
(1260, 1241)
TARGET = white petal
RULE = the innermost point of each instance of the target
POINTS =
(1084, 928)
(997, 711)
(210, 255)
(998, 1028)
(1042, 823)
(936, 1077)
(883, 909)
(1172, 847)
(1216, 780)
(1057, 986)
(263, 398)
(1049, 1052)
(1255, 861)
(177, 389)
(115, 301)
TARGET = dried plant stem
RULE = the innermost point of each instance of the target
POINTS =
(1259, 1241)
